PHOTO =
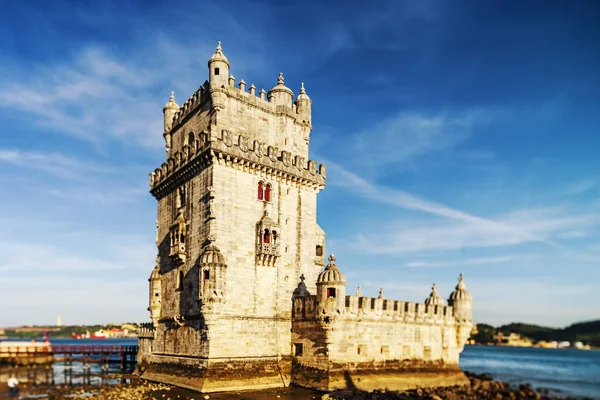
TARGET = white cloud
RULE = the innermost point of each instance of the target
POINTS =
(580, 187)
(406, 136)
(469, 261)
(52, 163)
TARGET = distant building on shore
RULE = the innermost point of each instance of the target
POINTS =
(242, 295)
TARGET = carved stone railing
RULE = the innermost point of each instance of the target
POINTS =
(271, 249)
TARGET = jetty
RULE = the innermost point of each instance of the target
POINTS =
(30, 353)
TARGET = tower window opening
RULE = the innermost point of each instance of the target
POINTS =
(260, 190)
(319, 251)
(268, 192)
(216, 71)
(267, 236)
(275, 237)
(298, 349)
(206, 275)
(180, 281)
(331, 293)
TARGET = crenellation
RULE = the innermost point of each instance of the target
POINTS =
(279, 160)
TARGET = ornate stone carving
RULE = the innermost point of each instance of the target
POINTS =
(243, 143)
(227, 139)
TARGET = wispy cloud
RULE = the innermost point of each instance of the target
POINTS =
(476, 226)
(580, 187)
(469, 261)
(53, 163)
(404, 137)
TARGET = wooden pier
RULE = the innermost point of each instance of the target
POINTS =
(23, 353)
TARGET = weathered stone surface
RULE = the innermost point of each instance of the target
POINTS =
(237, 296)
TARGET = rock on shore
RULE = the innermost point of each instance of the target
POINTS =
(480, 387)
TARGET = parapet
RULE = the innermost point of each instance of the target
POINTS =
(380, 309)
(233, 148)
(250, 98)
(146, 331)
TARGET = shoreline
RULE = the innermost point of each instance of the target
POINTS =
(480, 386)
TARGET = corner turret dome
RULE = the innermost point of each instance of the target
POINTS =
(461, 292)
(434, 298)
(155, 274)
(303, 95)
(281, 94)
(331, 273)
(171, 105)
(218, 56)
(212, 255)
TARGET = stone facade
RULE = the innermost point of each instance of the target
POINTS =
(238, 297)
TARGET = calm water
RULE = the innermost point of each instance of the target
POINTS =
(567, 372)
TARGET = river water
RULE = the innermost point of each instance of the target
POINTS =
(565, 372)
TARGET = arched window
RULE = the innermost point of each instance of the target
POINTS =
(206, 275)
(191, 139)
(268, 192)
(275, 237)
(180, 281)
(319, 251)
(260, 190)
(267, 236)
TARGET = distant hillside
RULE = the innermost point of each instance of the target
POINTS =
(586, 332)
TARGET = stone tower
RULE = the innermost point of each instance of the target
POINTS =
(236, 231)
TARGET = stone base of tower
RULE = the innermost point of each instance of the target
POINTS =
(218, 375)
(392, 375)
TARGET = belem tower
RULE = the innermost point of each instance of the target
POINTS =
(242, 295)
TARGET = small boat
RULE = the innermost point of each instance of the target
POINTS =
(98, 335)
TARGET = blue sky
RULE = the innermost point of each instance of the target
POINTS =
(461, 136)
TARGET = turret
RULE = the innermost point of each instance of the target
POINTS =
(281, 95)
(218, 68)
(155, 294)
(462, 304)
(169, 112)
(303, 106)
(212, 269)
(434, 298)
(331, 291)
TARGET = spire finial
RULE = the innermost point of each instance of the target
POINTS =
(461, 277)
(381, 293)
(358, 292)
(172, 98)
(280, 79)
(302, 91)
(331, 258)
(302, 278)
(218, 47)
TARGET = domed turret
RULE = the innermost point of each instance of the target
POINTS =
(212, 268)
(303, 106)
(331, 290)
(460, 299)
(169, 111)
(281, 95)
(434, 298)
(331, 273)
(155, 294)
(218, 68)
(212, 255)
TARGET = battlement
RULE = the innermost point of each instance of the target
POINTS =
(408, 311)
(374, 308)
(239, 93)
(146, 331)
(238, 149)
